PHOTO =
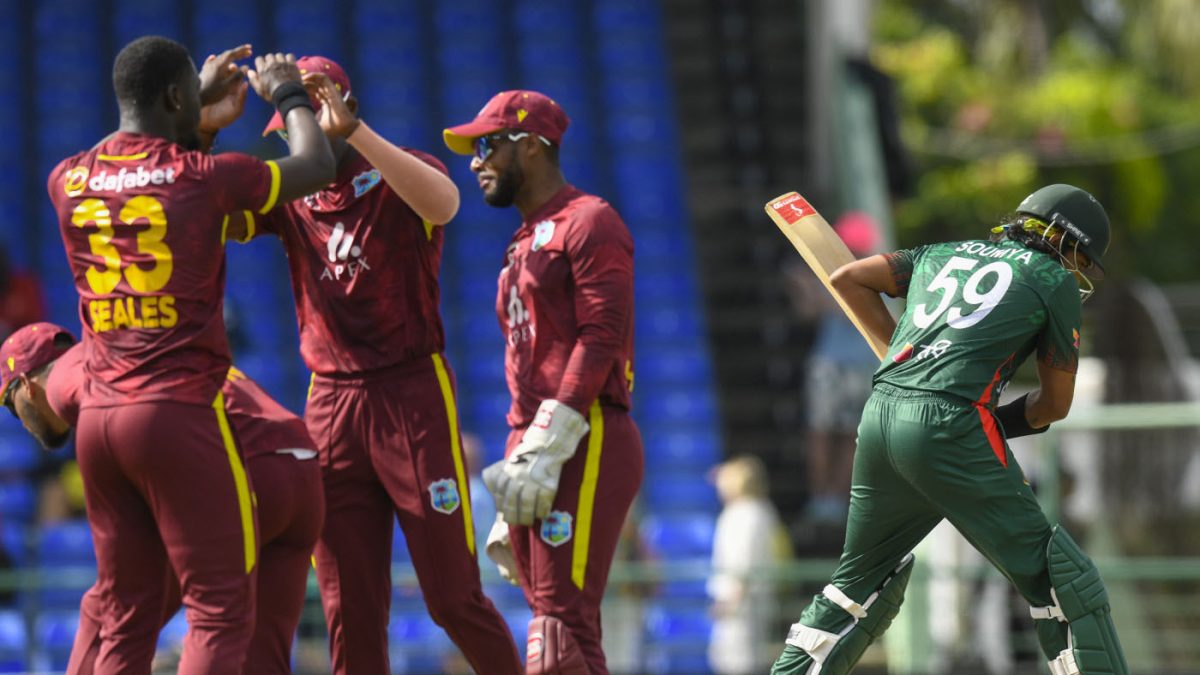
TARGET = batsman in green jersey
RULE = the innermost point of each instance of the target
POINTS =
(931, 444)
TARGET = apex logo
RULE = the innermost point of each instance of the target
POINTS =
(345, 257)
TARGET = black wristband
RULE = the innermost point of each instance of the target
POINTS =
(1012, 418)
(290, 95)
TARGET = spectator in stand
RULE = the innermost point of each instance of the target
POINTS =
(749, 543)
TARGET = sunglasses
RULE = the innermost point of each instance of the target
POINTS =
(7, 397)
(486, 145)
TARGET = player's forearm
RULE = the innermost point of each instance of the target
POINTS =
(310, 165)
(1041, 411)
(430, 193)
(868, 306)
(584, 377)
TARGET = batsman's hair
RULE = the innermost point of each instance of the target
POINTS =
(1027, 231)
(145, 68)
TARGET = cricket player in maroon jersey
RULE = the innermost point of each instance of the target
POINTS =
(141, 220)
(365, 254)
(42, 387)
(565, 304)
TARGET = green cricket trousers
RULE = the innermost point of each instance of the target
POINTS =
(924, 456)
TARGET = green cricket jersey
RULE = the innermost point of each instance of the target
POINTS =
(976, 310)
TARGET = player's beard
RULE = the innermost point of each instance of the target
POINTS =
(39, 427)
(504, 188)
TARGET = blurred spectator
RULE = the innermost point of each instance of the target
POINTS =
(21, 300)
(748, 545)
(622, 615)
(837, 377)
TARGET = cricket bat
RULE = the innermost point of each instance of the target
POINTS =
(820, 247)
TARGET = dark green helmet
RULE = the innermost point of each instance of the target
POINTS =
(1075, 212)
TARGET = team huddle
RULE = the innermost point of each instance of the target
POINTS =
(204, 493)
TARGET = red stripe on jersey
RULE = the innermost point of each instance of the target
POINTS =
(993, 434)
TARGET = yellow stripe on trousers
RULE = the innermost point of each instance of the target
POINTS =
(239, 480)
(587, 495)
(460, 474)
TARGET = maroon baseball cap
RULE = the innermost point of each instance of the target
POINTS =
(28, 349)
(314, 64)
(518, 109)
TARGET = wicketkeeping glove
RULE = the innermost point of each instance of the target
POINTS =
(499, 549)
(524, 485)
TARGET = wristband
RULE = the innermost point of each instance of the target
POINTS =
(290, 95)
(1012, 419)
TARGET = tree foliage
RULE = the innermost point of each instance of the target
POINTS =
(1002, 97)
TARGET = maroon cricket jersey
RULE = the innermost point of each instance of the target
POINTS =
(364, 272)
(141, 220)
(565, 306)
(64, 385)
(262, 425)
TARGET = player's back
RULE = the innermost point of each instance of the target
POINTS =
(140, 219)
(975, 311)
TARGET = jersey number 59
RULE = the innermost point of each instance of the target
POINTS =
(948, 285)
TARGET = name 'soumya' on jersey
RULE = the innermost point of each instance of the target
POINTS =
(978, 248)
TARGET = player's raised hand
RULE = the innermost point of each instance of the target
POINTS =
(270, 71)
(334, 115)
(220, 73)
(223, 112)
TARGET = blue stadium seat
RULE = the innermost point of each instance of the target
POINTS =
(14, 637)
(265, 368)
(532, 17)
(17, 500)
(66, 549)
(484, 365)
(553, 54)
(310, 27)
(680, 407)
(668, 325)
(489, 405)
(637, 93)
(18, 451)
(683, 625)
(632, 52)
(663, 660)
(55, 635)
(668, 448)
(681, 491)
(413, 628)
(171, 636)
(680, 365)
(681, 535)
(518, 619)
(405, 661)
(14, 538)
(67, 543)
(467, 17)
(664, 286)
(400, 552)
(626, 16)
(135, 18)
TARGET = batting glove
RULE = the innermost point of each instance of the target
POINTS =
(499, 549)
(524, 485)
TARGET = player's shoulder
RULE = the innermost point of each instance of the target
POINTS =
(587, 210)
(592, 218)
